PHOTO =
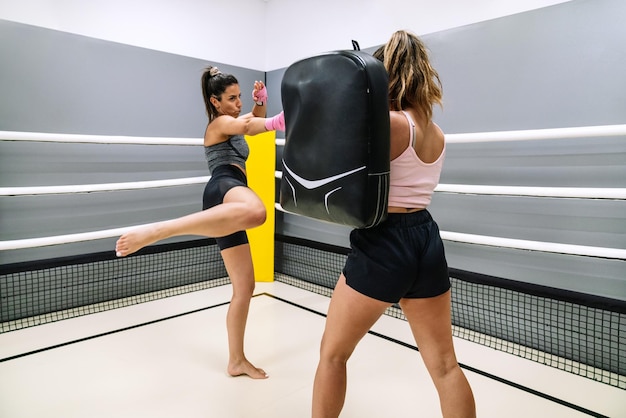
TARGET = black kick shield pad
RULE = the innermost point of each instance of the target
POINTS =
(336, 155)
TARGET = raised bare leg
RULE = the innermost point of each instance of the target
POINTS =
(242, 211)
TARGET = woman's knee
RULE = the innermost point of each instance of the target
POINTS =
(243, 285)
(244, 291)
(334, 352)
(250, 209)
(334, 358)
(442, 365)
(257, 214)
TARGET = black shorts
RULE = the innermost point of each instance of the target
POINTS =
(224, 178)
(403, 257)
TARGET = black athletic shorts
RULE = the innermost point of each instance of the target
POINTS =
(403, 257)
(224, 178)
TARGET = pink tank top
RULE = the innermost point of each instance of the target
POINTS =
(413, 181)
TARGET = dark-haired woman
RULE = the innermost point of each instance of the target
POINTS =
(230, 207)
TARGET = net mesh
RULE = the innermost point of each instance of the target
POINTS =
(576, 333)
(47, 291)
(552, 328)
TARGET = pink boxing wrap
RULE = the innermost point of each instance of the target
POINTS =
(260, 95)
(276, 123)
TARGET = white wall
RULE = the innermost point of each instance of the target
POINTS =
(256, 34)
(301, 29)
(227, 31)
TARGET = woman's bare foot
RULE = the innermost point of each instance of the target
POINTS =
(246, 368)
(135, 240)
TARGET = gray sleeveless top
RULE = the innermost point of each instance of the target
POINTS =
(232, 151)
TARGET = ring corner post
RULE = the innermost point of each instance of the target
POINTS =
(261, 168)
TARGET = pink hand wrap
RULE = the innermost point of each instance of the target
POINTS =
(276, 123)
(260, 95)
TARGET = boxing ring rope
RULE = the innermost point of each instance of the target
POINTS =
(518, 244)
(95, 139)
(532, 134)
(104, 187)
(499, 136)
(554, 192)
(544, 352)
(611, 193)
(537, 134)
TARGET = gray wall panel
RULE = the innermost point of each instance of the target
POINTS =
(58, 82)
(55, 82)
(26, 164)
(555, 67)
(559, 66)
(598, 277)
(580, 162)
(274, 101)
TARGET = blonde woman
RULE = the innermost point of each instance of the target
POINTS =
(402, 260)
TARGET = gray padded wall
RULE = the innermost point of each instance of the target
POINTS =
(55, 82)
(560, 66)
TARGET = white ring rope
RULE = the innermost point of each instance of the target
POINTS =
(547, 247)
(556, 192)
(104, 187)
(579, 250)
(523, 135)
(96, 139)
(561, 192)
(566, 192)
(534, 134)
(19, 244)
(587, 193)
